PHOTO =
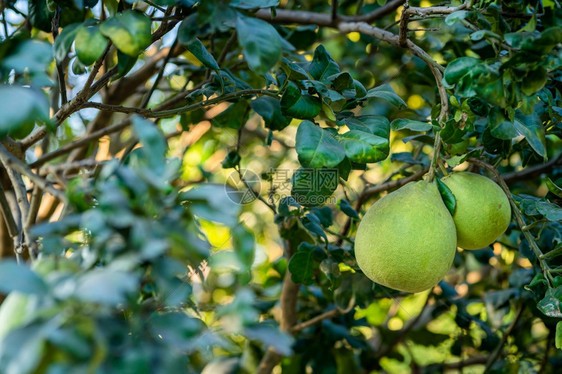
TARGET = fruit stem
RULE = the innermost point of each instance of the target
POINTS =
(436, 149)
(442, 167)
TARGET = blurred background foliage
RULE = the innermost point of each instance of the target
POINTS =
(151, 267)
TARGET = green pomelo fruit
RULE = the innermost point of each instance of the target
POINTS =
(482, 210)
(407, 239)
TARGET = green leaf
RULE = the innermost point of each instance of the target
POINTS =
(297, 105)
(347, 209)
(456, 16)
(447, 196)
(234, 116)
(553, 187)
(244, 245)
(231, 160)
(458, 68)
(29, 56)
(253, 4)
(386, 92)
(105, 286)
(531, 128)
(500, 126)
(124, 63)
(341, 81)
(260, 42)
(129, 31)
(534, 81)
(377, 125)
(301, 266)
(188, 29)
(269, 336)
(404, 123)
(20, 107)
(550, 211)
(153, 141)
(550, 304)
(269, 108)
(64, 41)
(312, 187)
(362, 147)
(322, 65)
(202, 54)
(90, 44)
(317, 147)
(20, 278)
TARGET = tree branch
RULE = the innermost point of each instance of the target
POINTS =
(289, 295)
(12, 163)
(319, 318)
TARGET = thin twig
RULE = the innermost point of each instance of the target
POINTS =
(496, 354)
(7, 214)
(13, 164)
(146, 99)
(319, 318)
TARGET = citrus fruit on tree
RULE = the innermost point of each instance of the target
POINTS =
(407, 239)
(482, 210)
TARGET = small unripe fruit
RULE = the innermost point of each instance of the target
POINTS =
(407, 239)
(482, 210)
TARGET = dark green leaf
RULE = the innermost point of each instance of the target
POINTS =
(447, 196)
(341, 81)
(550, 211)
(346, 207)
(386, 92)
(231, 160)
(531, 128)
(500, 126)
(297, 105)
(90, 44)
(456, 16)
(458, 68)
(550, 304)
(269, 108)
(64, 41)
(254, 4)
(553, 187)
(362, 147)
(317, 147)
(377, 125)
(260, 41)
(404, 123)
(188, 29)
(234, 116)
(301, 266)
(313, 186)
(322, 65)
(129, 31)
(534, 81)
(202, 54)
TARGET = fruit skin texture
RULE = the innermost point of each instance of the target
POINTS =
(407, 239)
(482, 211)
